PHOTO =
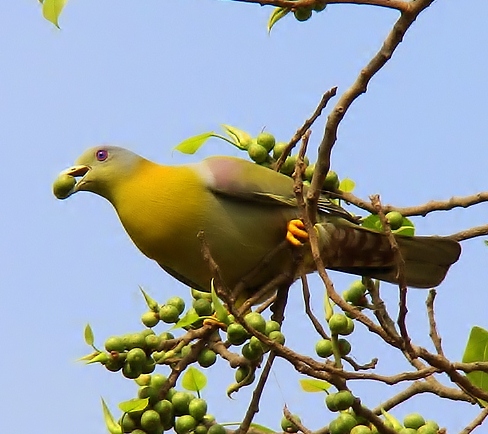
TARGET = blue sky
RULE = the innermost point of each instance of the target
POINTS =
(150, 74)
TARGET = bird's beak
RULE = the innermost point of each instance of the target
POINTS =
(78, 171)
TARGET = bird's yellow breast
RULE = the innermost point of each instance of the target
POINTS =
(159, 207)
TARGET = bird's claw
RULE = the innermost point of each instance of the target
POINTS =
(296, 234)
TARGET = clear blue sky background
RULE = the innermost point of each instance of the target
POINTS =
(147, 75)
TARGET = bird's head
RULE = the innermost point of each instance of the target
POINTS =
(98, 170)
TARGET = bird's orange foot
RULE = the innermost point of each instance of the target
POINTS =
(296, 233)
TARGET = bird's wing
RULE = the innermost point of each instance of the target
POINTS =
(246, 181)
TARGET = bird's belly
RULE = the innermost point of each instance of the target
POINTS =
(239, 235)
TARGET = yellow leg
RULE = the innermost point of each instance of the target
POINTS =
(296, 233)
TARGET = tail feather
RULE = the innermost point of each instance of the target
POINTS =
(357, 250)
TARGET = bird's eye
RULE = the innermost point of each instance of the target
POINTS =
(102, 154)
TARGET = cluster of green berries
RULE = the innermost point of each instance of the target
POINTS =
(356, 294)
(347, 422)
(138, 353)
(179, 410)
(339, 324)
(259, 150)
(304, 13)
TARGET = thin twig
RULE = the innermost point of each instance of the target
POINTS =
(433, 333)
(306, 126)
(308, 310)
(400, 5)
(477, 421)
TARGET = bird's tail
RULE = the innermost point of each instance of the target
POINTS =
(353, 249)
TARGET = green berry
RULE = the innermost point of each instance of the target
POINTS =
(114, 343)
(198, 408)
(206, 358)
(344, 347)
(181, 402)
(150, 318)
(344, 399)
(338, 323)
(331, 182)
(360, 429)
(320, 5)
(244, 372)
(256, 321)
(203, 307)
(323, 348)
(350, 327)
(428, 429)
(127, 423)
(266, 140)
(272, 326)
(157, 381)
(257, 345)
(165, 410)
(257, 153)
(303, 14)
(278, 149)
(330, 402)
(309, 172)
(355, 293)
(177, 302)
(237, 334)
(150, 420)
(288, 166)
(343, 424)
(136, 356)
(169, 313)
(395, 219)
(200, 429)
(277, 336)
(288, 426)
(63, 185)
(134, 340)
(216, 429)
(413, 420)
(165, 336)
(185, 424)
(149, 392)
(143, 380)
(152, 342)
(252, 353)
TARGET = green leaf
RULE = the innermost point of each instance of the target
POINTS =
(240, 138)
(262, 428)
(151, 303)
(220, 311)
(276, 15)
(112, 426)
(51, 9)
(136, 404)
(187, 320)
(88, 333)
(486, 242)
(347, 185)
(193, 144)
(477, 351)
(313, 385)
(372, 222)
(194, 380)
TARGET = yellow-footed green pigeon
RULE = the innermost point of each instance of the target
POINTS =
(243, 210)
